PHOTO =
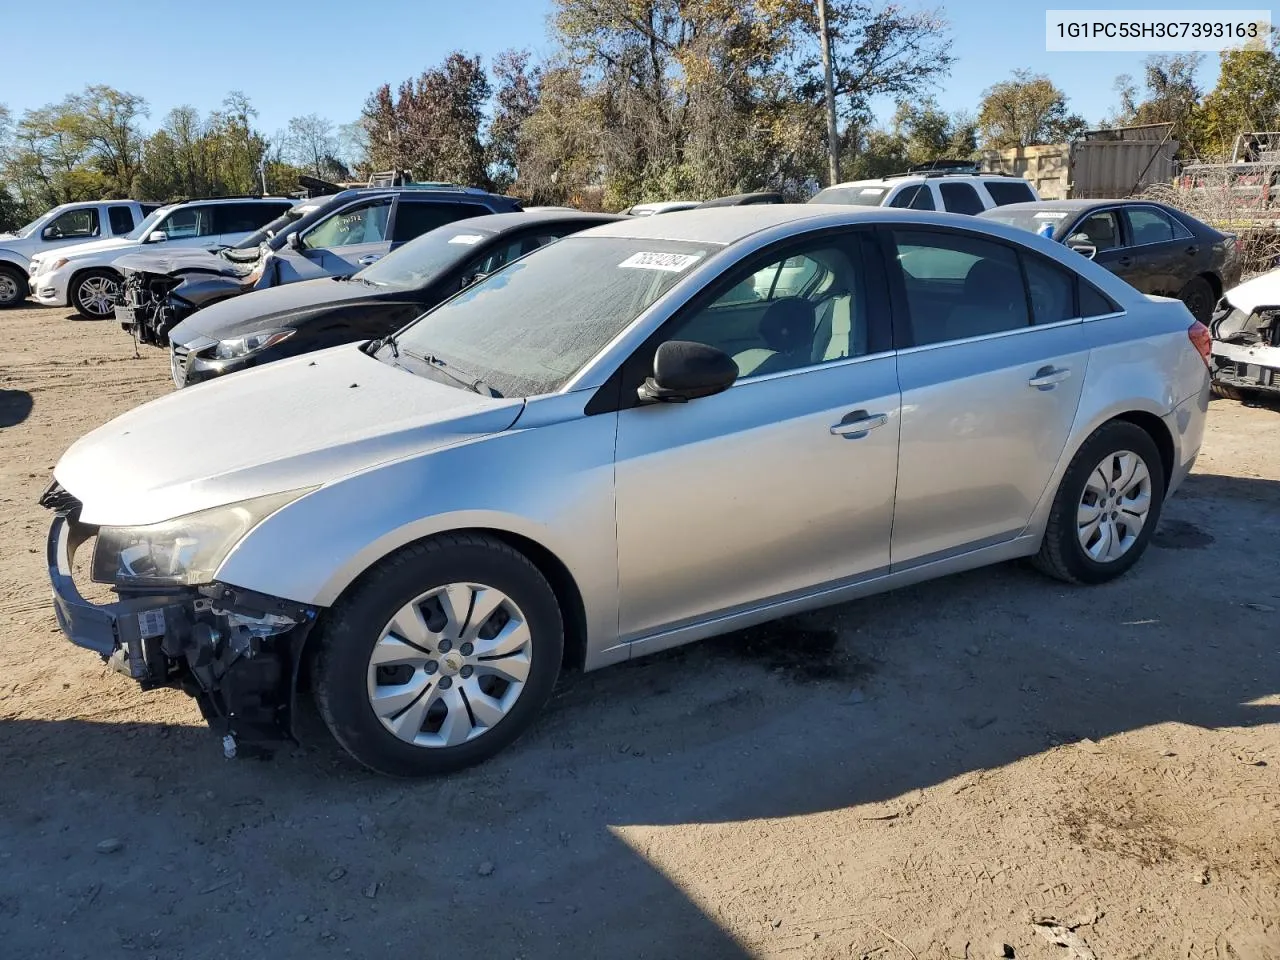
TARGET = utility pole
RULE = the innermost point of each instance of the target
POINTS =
(833, 143)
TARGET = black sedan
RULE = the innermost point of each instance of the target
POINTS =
(1156, 248)
(285, 321)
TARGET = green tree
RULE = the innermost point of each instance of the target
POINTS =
(516, 84)
(1027, 110)
(1247, 97)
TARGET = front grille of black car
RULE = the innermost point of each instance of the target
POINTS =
(57, 499)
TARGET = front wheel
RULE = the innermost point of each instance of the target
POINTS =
(440, 658)
(13, 286)
(94, 292)
(1106, 508)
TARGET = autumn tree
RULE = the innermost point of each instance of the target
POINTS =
(1247, 97)
(1026, 110)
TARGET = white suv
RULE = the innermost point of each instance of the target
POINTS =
(952, 191)
(85, 277)
(70, 223)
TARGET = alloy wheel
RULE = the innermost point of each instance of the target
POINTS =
(1114, 506)
(449, 665)
(9, 292)
(97, 295)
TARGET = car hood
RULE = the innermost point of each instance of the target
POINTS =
(293, 424)
(173, 261)
(1261, 291)
(77, 251)
(270, 307)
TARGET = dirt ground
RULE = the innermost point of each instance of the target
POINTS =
(975, 767)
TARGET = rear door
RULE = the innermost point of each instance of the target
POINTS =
(991, 369)
(1164, 251)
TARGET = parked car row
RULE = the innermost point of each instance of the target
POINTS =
(604, 437)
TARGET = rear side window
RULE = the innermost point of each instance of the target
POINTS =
(416, 217)
(958, 285)
(1052, 290)
(242, 217)
(121, 219)
(1095, 303)
(918, 197)
(1149, 225)
(961, 198)
(1009, 191)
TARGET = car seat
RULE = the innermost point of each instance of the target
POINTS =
(994, 300)
(787, 329)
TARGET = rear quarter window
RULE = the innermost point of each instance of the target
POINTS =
(1095, 303)
(961, 198)
(1009, 191)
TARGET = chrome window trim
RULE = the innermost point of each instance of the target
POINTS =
(999, 335)
(1105, 316)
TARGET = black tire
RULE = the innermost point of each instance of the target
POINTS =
(1198, 297)
(13, 286)
(77, 285)
(346, 638)
(1061, 554)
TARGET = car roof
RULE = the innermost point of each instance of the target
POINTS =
(503, 222)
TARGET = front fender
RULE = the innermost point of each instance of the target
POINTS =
(551, 484)
(15, 258)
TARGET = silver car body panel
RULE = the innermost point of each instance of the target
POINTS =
(674, 521)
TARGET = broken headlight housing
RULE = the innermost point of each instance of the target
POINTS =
(185, 551)
(243, 346)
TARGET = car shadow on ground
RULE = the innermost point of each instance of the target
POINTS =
(529, 854)
(15, 406)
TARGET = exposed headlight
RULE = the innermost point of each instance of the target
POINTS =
(59, 263)
(242, 346)
(183, 551)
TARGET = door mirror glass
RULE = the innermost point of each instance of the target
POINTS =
(684, 370)
(1082, 247)
(157, 236)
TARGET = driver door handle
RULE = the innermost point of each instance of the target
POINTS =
(1048, 377)
(1125, 261)
(858, 424)
(371, 258)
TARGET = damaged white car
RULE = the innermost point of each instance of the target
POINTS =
(1246, 339)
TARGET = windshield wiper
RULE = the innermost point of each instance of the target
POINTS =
(458, 376)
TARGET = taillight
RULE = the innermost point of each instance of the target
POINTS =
(1201, 339)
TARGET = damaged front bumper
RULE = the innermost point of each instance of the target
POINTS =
(1252, 367)
(237, 652)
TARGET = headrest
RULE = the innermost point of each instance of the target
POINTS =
(787, 326)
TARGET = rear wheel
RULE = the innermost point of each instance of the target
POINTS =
(13, 286)
(93, 293)
(442, 657)
(1106, 508)
(1198, 297)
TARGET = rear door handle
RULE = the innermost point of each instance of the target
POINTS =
(371, 258)
(1047, 377)
(1125, 261)
(858, 424)
(1192, 251)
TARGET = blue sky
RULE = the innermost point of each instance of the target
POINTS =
(295, 58)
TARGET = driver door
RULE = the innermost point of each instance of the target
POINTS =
(784, 483)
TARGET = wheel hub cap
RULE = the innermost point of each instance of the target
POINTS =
(98, 295)
(1114, 506)
(450, 665)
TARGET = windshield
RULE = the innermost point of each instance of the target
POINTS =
(292, 215)
(27, 230)
(1035, 220)
(146, 226)
(527, 329)
(424, 258)
(858, 196)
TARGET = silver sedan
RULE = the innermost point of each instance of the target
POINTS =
(651, 432)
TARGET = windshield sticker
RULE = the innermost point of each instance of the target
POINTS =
(467, 238)
(1051, 215)
(671, 262)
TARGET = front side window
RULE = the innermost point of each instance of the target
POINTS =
(74, 224)
(415, 217)
(1149, 225)
(917, 197)
(365, 223)
(187, 222)
(961, 198)
(803, 309)
(959, 285)
(527, 329)
(1099, 230)
(121, 219)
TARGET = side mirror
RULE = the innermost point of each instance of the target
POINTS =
(472, 278)
(295, 241)
(157, 236)
(1084, 249)
(684, 370)
(50, 233)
